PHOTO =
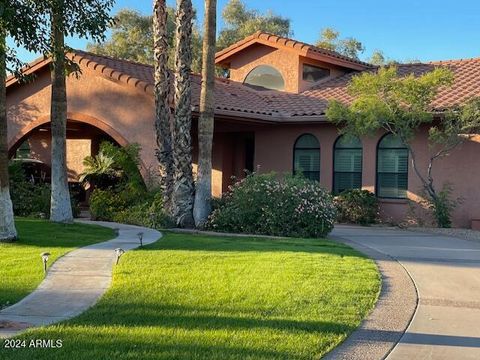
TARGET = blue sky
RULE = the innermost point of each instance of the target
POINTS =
(404, 30)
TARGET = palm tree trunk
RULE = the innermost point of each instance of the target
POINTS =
(163, 114)
(61, 207)
(203, 193)
(182, 139)
(7, 223)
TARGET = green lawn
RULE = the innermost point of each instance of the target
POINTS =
(21, 268)
(197, 297)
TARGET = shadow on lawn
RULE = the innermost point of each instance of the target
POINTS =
(172, 241)
(198, 318)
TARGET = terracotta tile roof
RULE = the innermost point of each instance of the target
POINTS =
(466, 84)
(236, 100)
(229, 95)
(304, 49)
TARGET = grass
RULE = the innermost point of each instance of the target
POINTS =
(21, 268)
(198, 297)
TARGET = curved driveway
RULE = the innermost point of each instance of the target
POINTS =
(446, 272)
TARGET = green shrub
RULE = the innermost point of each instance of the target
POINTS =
(357, 206)
(129, 207)
(262, 204)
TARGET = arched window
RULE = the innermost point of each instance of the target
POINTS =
(306, 157)
(265, 77)
(392, 168)
(347, 164)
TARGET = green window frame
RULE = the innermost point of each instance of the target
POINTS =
(392, 168)
(347, 164)
(306, 157)
(23, 151)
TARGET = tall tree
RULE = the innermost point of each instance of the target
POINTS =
(88, 19)
(330, 39)
(203, 194)
(241, 22)
(131, 39)
(163, 114)
(182, 139)
(17, 20)
(401, 105)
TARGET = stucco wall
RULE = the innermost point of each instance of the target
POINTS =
(288, 63)
(274, 152)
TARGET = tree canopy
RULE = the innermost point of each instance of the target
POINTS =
(400, 105)
(330, 39)
(241, 22)
(132, 39)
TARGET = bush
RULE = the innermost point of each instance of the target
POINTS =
(262, 204)
(129, 207)
(31, 199)
(357, 206)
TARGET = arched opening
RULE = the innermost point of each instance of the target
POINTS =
(32, 149)
(347, 164)
(306, 157)
(265, 77)
(392, 168)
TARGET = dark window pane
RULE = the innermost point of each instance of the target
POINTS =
(392, 168)
(306, 157)
(265, 77)
(346, 181)
(314, 73)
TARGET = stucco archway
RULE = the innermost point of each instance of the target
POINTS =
(83, 118)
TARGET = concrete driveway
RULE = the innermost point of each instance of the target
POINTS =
(446, 273)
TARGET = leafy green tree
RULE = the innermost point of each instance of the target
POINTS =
(241, 22)
(401, 105)
(330, 39)
(132, 39)
(377, 58)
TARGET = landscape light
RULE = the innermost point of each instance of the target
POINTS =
(140, 237)
(119, 252)
(45, 256)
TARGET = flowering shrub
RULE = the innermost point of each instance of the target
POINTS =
(357, 206)
(262, 204)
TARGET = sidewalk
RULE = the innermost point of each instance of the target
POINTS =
(74, 283)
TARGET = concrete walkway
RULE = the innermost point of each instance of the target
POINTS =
(73, 283)
(446, 273)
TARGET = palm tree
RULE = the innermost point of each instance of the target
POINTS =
(7, 223)
(60, 208)
(182, 203)
(163, 114)
(203, 193)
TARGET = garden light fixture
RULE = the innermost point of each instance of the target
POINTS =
(45, 256)
(140, 237)
(118, 252)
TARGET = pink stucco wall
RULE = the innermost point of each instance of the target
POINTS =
(274, 152)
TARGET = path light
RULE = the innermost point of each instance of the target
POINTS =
(116, 231)
(119, 252)
(140, 237)
(45, 256)
(152, 220)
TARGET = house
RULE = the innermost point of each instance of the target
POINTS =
(269, 116)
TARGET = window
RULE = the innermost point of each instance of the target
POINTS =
(23, 152)
(392, 168)
(306, 157)
(347, 164)
(265, 77)
(314, 73)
